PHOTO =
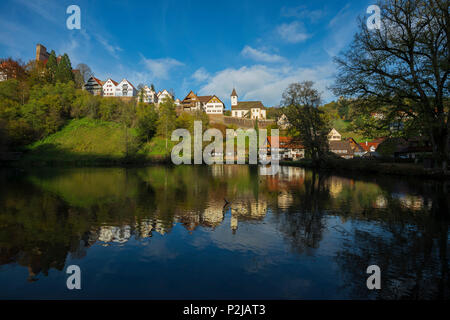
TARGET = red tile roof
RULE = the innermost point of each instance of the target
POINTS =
(367, 145)
(100, 82)
(115, 82)
(287, 142)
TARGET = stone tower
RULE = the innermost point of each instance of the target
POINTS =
(41, 53)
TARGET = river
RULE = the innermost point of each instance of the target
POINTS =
(213, 232)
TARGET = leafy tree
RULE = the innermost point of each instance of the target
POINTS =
(37, 72)
(108, 109)
(274, 112)
(147, 119)
(141, 92)
(52, 67)
(12, 69)
(49, 107)
(309, 123)
(64, 70)
(85, 105)
(166, 121)
(404, 67)
(185, 121)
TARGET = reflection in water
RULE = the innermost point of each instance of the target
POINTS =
(299, 234)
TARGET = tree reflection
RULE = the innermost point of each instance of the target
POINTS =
(402, 226)
(303, 222)
(410, 247)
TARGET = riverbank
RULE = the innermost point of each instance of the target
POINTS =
(372, 166)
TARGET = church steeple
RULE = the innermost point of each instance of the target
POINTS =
(234, 98)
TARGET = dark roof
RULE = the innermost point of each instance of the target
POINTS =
(247, 105)
(233, 93)
(99, 82)
(189, 100)
(340, 145)
(204, 99)
(355, 145)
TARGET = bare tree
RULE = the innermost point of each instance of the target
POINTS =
(85, 71)
(405, 66)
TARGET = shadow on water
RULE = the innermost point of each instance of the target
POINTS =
(290, 224)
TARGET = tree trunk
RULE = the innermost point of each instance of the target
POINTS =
(439, 140)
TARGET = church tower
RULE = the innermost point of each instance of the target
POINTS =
(234, 98)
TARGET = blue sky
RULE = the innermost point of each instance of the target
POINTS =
(260, 47)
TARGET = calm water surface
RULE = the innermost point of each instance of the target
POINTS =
(165, 232)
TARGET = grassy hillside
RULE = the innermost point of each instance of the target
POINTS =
(94, 141)
(343, 127)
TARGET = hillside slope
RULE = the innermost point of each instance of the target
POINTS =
(92, 141)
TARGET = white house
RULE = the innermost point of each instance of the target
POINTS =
(109, 88)
(3, 76)
(208, 104)
(150, 95)
(125, 89)
(283, 122)
(163, 95)
(334, 135)
(214, 106)
(246, 109)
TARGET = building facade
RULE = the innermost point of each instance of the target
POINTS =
(150, 95)
(41, 53)
(125, 89)
(109, 88)
(208, 104)
(164, 95)
(94, 86)
(247, 109)
(342, 148)
(288, 148)
(214, 106)
(334, 135)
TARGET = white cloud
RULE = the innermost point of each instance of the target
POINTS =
(341, 30)
(40, 7)
(201, 75)
(265, 83)
(301, 12)
(112, 49)
(261, 56)
(293, 32)
(159, 68)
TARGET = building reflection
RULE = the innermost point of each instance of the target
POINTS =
(47, 218)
